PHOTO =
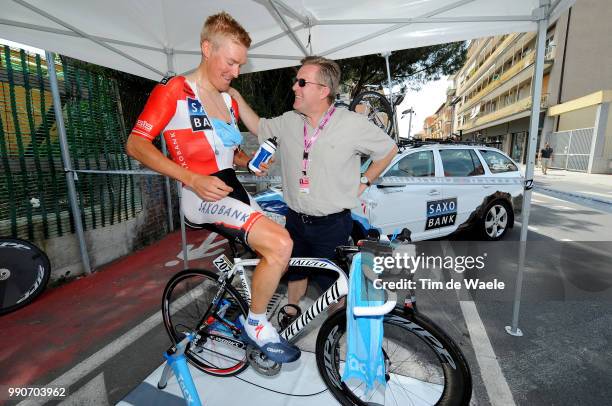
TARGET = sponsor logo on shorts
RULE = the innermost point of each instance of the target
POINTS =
(222, 210)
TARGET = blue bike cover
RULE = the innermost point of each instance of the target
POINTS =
(364, 359)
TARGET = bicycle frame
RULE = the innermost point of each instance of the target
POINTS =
(332, 295)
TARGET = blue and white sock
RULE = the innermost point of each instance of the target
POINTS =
(260, 330)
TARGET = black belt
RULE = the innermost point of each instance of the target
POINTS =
(308, 219)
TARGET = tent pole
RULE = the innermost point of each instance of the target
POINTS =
(170, 63)
(386, 56)
(70, 175)
(542, 14)
(168, 190)
(183, 228)
(170, 72)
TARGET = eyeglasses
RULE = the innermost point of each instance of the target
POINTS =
(304, 82)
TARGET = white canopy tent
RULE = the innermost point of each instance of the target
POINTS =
(152, 38)
(149, 38)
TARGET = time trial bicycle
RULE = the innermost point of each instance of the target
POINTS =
(422, 363)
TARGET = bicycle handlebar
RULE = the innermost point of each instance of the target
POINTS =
(377, 310)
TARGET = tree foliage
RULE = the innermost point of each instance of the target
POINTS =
(270, 94)
(409, 67)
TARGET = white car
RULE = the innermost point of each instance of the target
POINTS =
(435, 190)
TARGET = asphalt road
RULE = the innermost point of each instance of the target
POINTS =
(565, 312)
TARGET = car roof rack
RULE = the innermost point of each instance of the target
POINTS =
(404, 144)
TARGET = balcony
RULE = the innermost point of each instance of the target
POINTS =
(507, 75)
(476, 73)
(549, 53)
(506, 111)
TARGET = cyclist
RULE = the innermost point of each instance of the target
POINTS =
(198, 121)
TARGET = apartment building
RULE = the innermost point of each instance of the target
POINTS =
(439, 126)
(429, 126)
(494, 89)
(578, 124)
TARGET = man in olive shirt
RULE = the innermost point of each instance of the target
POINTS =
(320, 149)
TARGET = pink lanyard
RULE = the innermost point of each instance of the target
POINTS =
(309, 141)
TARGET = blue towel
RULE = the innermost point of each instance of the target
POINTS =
(364, 359)
(227, 132)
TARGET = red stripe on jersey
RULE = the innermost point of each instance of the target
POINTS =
(142, 134)
(250, 221)
(188, 90)
(236, 110)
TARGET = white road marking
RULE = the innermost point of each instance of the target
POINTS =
(93, 392)
(202, 251)
(532, 228)
(88, 365)
(595, 193)
(492, 376)
(566, 239)
(559, 207)
(491, 373)
(549, 197)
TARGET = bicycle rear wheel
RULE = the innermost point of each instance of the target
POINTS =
(24, 273)
(423, 365)
(376, 108)
(217, 349)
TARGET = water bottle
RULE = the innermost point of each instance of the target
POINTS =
(263, 154)
(224, 304)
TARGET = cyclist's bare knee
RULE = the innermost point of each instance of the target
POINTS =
(272, 241)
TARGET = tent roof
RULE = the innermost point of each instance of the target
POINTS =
(151, 37)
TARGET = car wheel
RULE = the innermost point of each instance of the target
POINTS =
(495, 221)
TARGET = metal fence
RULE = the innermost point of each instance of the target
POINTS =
(571, 149)
(33, 194)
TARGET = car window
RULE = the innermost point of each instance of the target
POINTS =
(417, 164)
(497, 162)
(461, 162)
(365, 164)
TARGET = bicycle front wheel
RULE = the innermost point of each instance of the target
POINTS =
(24, 273)
(423, 366)
(376, 108)
(187, 306)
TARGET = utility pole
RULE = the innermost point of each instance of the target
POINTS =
(409, 111)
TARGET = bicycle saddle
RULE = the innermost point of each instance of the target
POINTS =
(236, 244)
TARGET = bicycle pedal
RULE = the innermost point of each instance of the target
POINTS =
(260, 362)
(285, 319)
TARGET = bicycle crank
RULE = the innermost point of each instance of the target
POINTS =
(261, 363)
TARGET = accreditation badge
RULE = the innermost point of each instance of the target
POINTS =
(304, 185)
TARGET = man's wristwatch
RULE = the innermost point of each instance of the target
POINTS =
(365, 181)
